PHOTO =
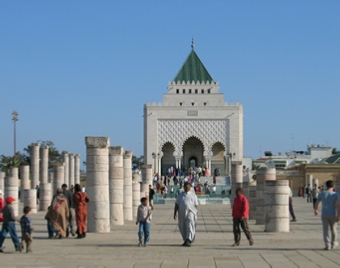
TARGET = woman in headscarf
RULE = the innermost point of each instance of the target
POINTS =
(58, 214)
(80, 201)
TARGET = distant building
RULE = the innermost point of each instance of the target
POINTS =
(313, 155)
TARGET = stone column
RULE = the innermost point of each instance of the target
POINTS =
(25, 182)
(11, 188)
(315, 181)
(236, 178)
(34, 165)
(135, 193)
(2, 181)
(127, 205)
(51, 181)
(44, 164)
(116, 185)
(309, 180)
(277, 210)
(77, 169)
(71, 170)
(45, 196)
(30, 199)
(66, 166)
(97, 180)
(58, 178)
(50, 177)
(146, 180)
(262, 175)
(252, 202)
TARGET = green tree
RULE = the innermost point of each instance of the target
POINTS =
(137, 162)
(53, 153)
(8, 162)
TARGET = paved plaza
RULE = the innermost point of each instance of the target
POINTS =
(302, 247)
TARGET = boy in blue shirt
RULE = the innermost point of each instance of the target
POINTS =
(26, 230)
(330, 215)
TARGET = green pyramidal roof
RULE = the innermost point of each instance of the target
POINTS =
(193, 70)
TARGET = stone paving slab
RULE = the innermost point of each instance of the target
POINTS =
(301, 247)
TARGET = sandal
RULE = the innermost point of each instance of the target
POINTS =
(251, 242)
(236, 245)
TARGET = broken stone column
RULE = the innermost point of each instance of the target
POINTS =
(30, 199)
(236, 178)
(11, 188)
(146, 180)
(2, 181)
(34, 165)
(135, 193)
(116, 185)
(252, 202)
(97, 184)
(66, 167)
(262, 175)
(127, 205)
(51, 181)
(277, 210)
(25, 182)
(71, 170)
(309, 180)
(44, 164)
(45, 196)
(58, 178)
(77, 169)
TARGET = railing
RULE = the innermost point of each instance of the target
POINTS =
(222, 191)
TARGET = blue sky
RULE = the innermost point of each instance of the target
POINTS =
(81, 68)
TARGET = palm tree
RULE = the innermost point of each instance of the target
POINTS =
(8, 162)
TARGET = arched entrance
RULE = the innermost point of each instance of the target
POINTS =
(218, 159)
(168, 159)
(193, 162)
(192, 153)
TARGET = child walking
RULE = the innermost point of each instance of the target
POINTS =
(8, 225)
(144, 217)
(26, 230)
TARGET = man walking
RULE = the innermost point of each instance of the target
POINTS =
(330, 214)
(240, 215)
(151, 194)
(315, 194)
(186, 205)
(72, 219)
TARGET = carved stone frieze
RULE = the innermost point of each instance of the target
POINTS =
(178, 131)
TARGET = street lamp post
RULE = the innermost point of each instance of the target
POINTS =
(14, 120)
(230, 156)
(154, 163)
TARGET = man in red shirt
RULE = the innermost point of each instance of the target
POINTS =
(240, 216)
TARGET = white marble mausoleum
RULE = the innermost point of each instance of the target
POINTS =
(194, 125)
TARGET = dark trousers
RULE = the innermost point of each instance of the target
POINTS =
(9, 228)
(26, 239)
(291, 210)
(237, 222)
(50, 229)
(314, 201)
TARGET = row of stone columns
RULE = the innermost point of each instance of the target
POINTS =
(113, 193)
(268, 200)
(71, 168)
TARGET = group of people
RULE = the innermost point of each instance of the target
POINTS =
(186, 212)
(66, 215)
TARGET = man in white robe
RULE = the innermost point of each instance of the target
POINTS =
(186, 205)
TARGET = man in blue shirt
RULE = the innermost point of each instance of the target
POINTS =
(330, 214)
